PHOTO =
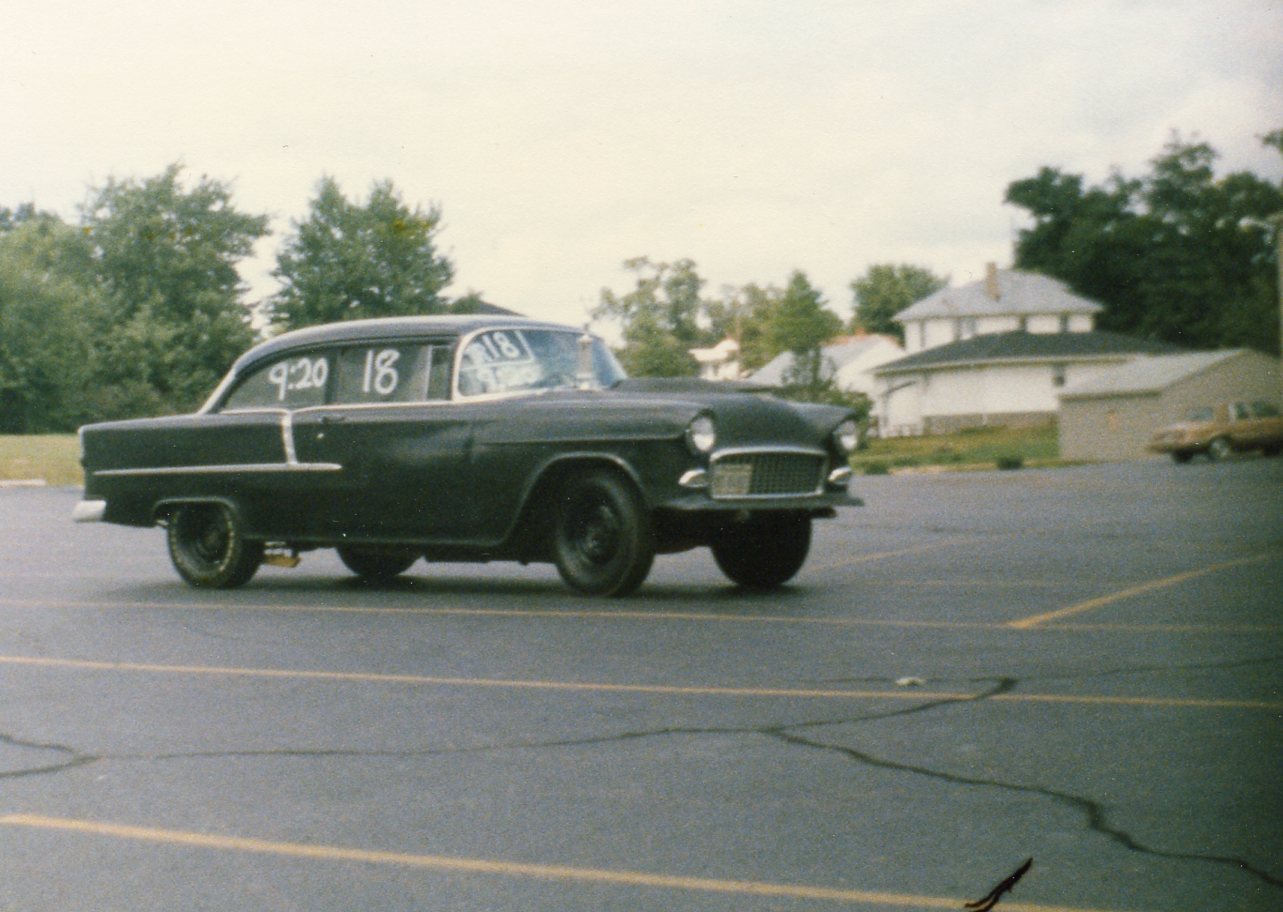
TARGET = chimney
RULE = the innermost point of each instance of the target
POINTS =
(991, 280)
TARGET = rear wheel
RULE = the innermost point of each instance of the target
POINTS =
(374, 564)
(765, 552)
(1218, 449)
(603, 538)
(208, 549)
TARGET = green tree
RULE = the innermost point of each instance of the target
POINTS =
(47, 300)
(742, 314)
(885, 290)
(1179, 254)
(801, 324)
(660, 318)
(349, 261)
(165, 258)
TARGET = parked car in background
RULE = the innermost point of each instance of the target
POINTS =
(1217, 431)
(475, 439)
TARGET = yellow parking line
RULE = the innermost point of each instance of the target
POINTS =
(1132, 591)
(632, 615)
(487, 866)
(605, 687)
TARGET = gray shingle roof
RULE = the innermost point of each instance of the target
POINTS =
(773, 373)
(1148, 374)
(1019, 293)
(1024, 346)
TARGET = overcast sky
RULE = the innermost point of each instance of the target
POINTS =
(560, 138)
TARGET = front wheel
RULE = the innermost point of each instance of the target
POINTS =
(208, 549)
(1218, 449)
(603, 539)
(765, 552)
(375, 565)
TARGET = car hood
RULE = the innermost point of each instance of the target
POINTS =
(1182, 427)
(745, 414)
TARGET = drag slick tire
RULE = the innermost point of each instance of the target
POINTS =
(208, 549)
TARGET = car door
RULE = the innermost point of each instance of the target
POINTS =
(402, 444)
(246, 448)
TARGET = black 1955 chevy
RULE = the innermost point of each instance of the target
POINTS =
(470, 439)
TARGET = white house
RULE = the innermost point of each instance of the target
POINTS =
(850, 361)
(721, 362)
(996, 351)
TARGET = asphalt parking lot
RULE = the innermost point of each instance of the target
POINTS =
(1080, 666)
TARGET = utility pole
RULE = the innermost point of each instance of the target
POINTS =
(1278, 257)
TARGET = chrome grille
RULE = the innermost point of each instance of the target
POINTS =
(766, 474)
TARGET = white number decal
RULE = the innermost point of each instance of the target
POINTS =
(279, 376)
(380, 373)
(303, 374)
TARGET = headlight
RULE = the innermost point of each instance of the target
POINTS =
(701, 434)
(847, 436)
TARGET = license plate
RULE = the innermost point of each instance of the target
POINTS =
(734, 480)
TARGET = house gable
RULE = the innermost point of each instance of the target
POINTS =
(1004, 301)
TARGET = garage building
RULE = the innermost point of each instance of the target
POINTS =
(1112, 415)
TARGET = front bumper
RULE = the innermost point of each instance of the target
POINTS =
(88, 511)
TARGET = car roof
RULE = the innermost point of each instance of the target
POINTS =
(385, 328)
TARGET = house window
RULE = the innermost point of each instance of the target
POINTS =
(1058, 375)
(1064, 323)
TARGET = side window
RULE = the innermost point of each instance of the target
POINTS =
(1239, 412)
(1264, 410)
(295, 382)
(383, 373)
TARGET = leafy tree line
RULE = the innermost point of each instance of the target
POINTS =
(1176, 254)
(137, 308)
(665, 315)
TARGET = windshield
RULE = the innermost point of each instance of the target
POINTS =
(520, 360)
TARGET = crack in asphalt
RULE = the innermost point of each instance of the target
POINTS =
(1093, 812)
(74, 758)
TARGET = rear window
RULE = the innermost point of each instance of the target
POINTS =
(298, 381)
